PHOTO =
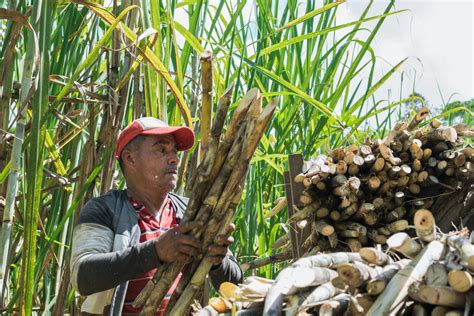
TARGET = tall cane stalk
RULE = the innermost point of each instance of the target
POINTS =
(28, 87)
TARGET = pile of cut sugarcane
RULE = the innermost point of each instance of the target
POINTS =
(361, 195)
(430, 274)
(217, 187)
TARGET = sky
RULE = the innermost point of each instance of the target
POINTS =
(437, 38)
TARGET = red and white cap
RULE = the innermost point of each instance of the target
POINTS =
(183, 136)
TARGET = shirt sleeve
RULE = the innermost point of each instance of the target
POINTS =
(228, 271)
(95, 266)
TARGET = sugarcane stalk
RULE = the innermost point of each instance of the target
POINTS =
(329, 260)
(378, 283)
(443, 134)
(339, 283)
(398, 226)
(322, 212)
(306, 212)
(211, 166)
(321, 293)
(323, 228)
(333, 241)
(28, 87)
(360, 304)
(228, 200)
(465, 249)
(439, 311)
(231, 194)
(280, 205)
(437, 295)
(335, 215)
(354, 244)
(414, 188)
(396, 214)
(378, 239)
(348, 233)
(436, 275)
(284, 283)
(375, 256)
(254, 133)
(155, 292)
(213, 161)
(306, 198)
(193, 287)
(184, 280)
(460, 281)
(357, 274)
(419, 117)
(394, 133)
(336, 306)
(260, 262)
(210, 151)
(311, 276)
(419, 310)
(280, 242)
(404, 244)
(206, 101)
(232, 189)
(397, 289)
(384, 231)
(220, 183)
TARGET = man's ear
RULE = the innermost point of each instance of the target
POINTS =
(127, 158)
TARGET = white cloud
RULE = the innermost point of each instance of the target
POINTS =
(437, 38)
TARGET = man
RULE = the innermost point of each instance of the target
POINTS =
(122, 237)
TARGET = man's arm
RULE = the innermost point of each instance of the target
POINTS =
(95, 266)
(228, 271)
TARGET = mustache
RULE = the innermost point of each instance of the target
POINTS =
(172, 169)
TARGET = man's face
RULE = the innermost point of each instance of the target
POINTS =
(156, 161)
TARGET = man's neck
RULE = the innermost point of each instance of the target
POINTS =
(153, 201)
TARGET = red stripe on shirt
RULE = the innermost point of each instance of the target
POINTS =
(150, 228)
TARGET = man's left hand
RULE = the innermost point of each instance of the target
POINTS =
(218, 250)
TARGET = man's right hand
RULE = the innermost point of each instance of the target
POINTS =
(175, 246)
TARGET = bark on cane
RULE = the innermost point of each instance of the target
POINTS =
(336, 306)
(375, 256)
(437, 295)
(380, 281)
(231, 194)
(397, 289)
(357, 274)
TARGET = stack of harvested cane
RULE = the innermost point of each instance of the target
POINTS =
(216, 190)
(361, 195)
(435, 276)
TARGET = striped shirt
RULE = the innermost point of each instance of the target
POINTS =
(150, 227)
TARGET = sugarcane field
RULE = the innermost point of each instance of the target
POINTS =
(237, 158)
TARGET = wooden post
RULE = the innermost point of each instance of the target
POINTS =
(293, 192)
(291, 211)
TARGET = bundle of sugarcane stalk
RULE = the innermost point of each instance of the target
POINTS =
(216, 189)
(428, 274)
(362, 194)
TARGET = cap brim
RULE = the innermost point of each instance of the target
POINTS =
(183, 136)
